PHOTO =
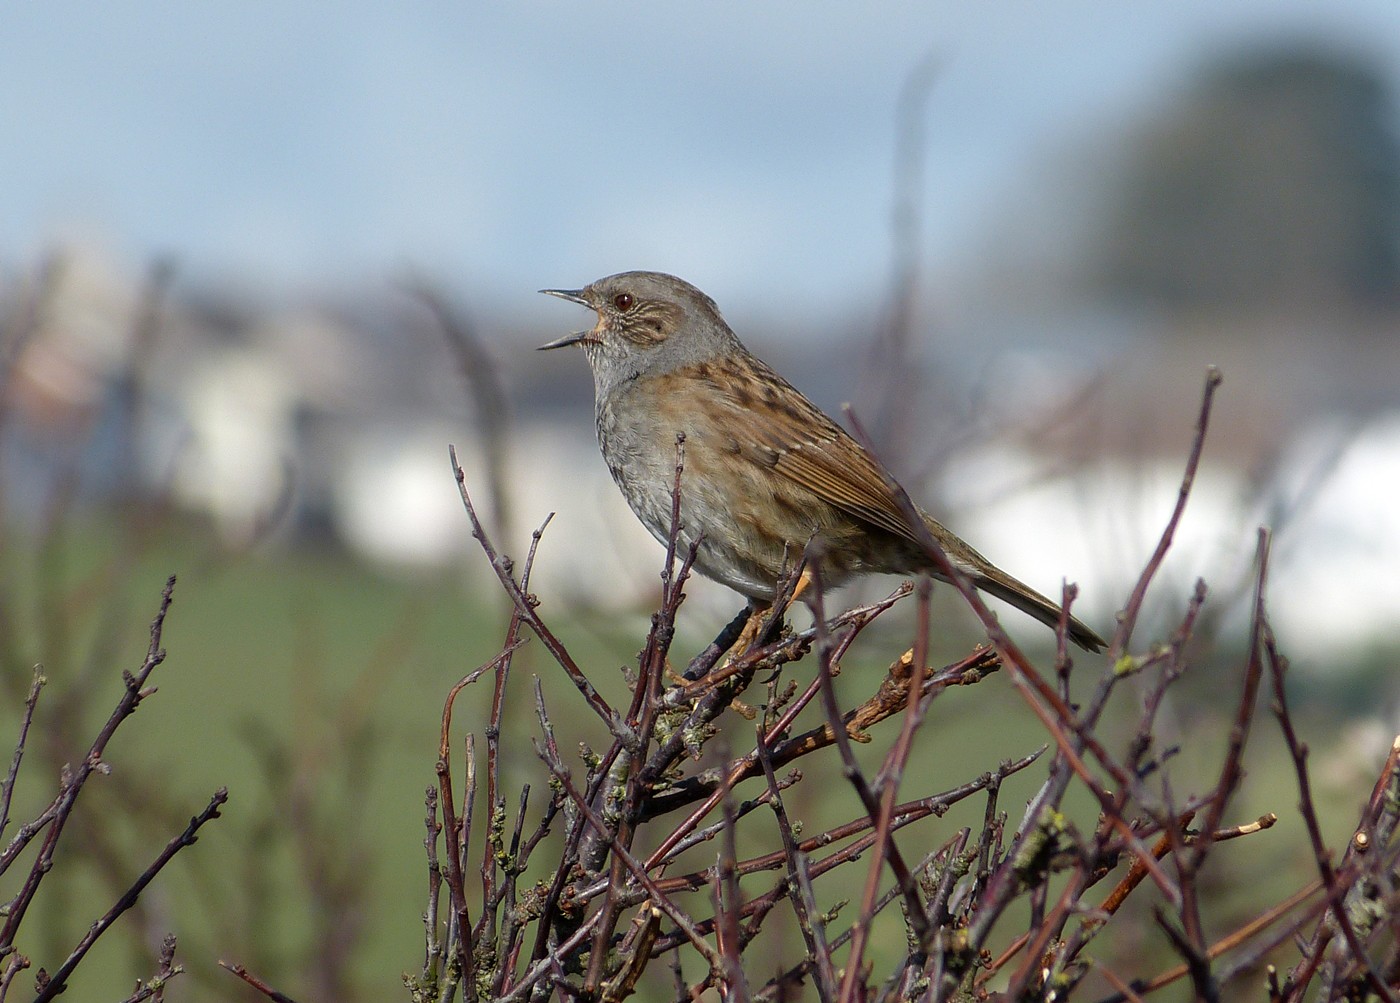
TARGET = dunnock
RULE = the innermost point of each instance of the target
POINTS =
(765, 471)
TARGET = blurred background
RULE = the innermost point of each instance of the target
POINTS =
(261, 263)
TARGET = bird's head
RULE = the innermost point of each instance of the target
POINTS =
(648, 323)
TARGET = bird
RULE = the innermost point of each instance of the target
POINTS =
(765, 471)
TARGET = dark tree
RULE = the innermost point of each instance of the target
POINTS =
(1274, 184)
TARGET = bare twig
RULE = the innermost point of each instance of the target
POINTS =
(525, 608)
(154, 987)
(14, 964)
(8, 789)
(135, 691)
(1128, 618)
(800, 880)
(1332, 884)
(880, 810)
(432, 954)
(58, 981)
(634, 866)
(257, 983)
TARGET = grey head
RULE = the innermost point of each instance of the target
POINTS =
(649, 323)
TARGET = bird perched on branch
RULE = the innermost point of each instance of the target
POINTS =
(765, 471)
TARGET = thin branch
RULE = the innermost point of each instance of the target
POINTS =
(881, 811)
(131, 698)
(7, 790)
(1041, 697)
(432, 954)
(525, 608)
(800, 880)
(57, 982)
(166, 969)
(1128, 618)
(637, 869)
(257, 983)
(1331, 884)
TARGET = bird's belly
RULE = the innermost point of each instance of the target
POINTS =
(746, 538)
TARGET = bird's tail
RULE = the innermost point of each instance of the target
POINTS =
(996, 582)
(990, 579)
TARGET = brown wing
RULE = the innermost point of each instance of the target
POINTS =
(774, 425)
(784, 430)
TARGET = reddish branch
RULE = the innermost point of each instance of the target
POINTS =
(257, 983)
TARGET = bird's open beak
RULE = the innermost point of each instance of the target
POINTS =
(564, 342)
(573, 296)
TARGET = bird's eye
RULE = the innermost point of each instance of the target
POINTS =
(623, 301)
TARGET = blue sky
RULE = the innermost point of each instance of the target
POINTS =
(505, 147)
